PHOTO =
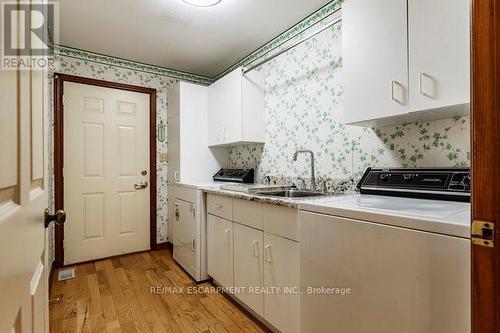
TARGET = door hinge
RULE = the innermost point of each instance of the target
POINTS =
(483, 233)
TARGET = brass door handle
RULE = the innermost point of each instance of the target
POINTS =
(59, 217)
(141, 186)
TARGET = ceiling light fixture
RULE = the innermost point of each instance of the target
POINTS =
(202, 3)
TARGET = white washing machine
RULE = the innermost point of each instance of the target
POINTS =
(388, 264)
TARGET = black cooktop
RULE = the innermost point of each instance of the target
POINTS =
(234, 175)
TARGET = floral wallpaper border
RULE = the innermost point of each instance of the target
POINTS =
(273, 44)
(60, 50)
(286, 36)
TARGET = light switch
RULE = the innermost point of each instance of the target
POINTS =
(163, 157)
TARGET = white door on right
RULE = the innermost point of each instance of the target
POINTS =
(439, 44)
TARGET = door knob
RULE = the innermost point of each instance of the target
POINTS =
(59, 217)
(141, 186)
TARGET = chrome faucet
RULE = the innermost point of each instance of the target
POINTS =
(313, 178)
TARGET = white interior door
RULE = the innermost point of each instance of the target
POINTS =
(23, 199)
(106, 154)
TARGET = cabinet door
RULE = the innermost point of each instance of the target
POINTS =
(375, 66)
(171, 212)
(248, 266)
(439, 53)
(220, 250)
(174, 152)
(224, 110)
(281, 270)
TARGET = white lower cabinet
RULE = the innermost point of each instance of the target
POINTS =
(281, 271)
(220, 250)
(248, 266)
(258, 252)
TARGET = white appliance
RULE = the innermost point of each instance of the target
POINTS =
(393, 264)
(189, 158)
(189, 230)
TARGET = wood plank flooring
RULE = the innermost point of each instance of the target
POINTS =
(114, 295)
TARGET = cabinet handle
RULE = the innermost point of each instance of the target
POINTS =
(193, 210)
(421, 75)
(268, 253)
(194, 244)
(255, 245)
(227, 232)
(217, 206)
(177, 213)
(395, 83)
(176, 175)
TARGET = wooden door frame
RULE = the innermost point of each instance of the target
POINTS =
(59, 80)
(485, 115)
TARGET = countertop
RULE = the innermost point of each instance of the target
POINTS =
(441, 217)
(215, 188)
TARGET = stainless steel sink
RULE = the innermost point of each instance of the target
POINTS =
(292, 193)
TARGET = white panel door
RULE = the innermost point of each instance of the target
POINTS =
(375, 66)
(439, 38)
(220, 250)
(248, 265)
(106, 150)
(281, 271)
(23, 198)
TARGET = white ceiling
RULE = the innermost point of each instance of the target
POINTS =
(172, 34)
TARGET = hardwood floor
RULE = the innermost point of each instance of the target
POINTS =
(114, 295)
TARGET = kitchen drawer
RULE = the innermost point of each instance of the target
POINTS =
(221, 206)
(248, 213)
(281, 221)
(185, 193)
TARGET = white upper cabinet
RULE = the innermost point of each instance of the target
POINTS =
(439, 35)
(374, 59)
(236, 109)
(402, 57)
(189, 158)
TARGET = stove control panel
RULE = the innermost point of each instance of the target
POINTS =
(446, 184)
(234, 175)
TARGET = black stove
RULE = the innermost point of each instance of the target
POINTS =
(234, 175)
(452, 184)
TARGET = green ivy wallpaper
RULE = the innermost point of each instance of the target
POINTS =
(304, 94)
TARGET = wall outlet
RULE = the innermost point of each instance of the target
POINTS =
(163, 157)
